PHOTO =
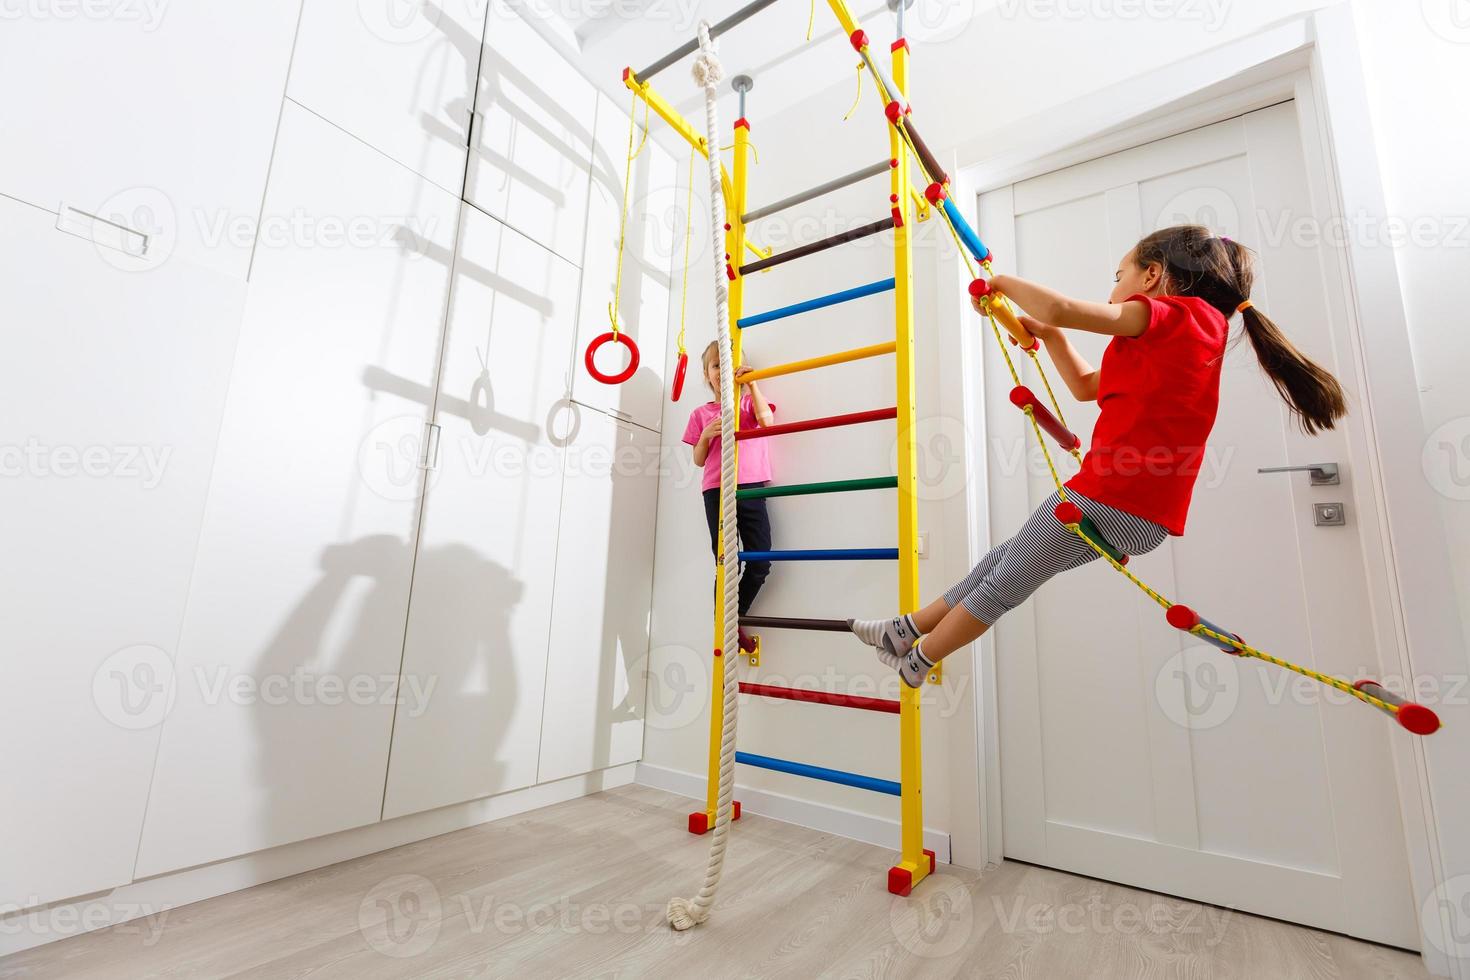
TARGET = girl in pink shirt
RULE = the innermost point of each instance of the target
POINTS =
(753, 463)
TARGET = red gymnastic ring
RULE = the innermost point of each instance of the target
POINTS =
(621, 376)
(679, 370)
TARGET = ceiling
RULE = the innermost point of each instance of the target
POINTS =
(602, 37)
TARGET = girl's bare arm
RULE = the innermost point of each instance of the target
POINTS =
(1050, 306)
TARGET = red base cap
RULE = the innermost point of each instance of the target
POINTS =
(1418, 719)
(900, 882)
(931, 859)
(1182, 617)
(699, 822)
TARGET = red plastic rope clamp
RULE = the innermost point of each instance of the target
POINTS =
(591, 359)
(1068, 513)
(980, 288)
(859, 39)
(680, 370)
(893, 110)
(934, 193)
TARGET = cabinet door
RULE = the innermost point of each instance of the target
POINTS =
(290, 652)
(654, 242)
(399, 76)
(533, 136)
(480, 611)
(111, 391)
(604, 580)
(156, 116)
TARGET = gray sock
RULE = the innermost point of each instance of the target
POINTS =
(892, 636)
(913, 667)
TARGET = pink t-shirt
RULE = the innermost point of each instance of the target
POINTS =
(753, 460)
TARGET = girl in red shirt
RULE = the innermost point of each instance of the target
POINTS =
(1158, 390)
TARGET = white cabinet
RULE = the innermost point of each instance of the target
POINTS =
(289, 657)
(595, 681)
(532, 139)
(111, 391)
(655, 241)
(158, 116)
(397, 74)
(480, 612)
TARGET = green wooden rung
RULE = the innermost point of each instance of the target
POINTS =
(1090, 529)
(829, 486)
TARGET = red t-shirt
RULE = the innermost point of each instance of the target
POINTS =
(1158, 393)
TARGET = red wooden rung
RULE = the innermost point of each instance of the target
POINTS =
(1022, 398)
(807, 425)
(820, 697)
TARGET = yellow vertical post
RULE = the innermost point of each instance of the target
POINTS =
(914, 862)
(699, 822)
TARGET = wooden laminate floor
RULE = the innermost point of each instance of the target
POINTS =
(579, 889)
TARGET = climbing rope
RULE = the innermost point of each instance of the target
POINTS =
(685, 913)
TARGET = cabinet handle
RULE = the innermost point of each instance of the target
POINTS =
(430, 459)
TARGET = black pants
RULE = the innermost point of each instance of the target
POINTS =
(755, 535)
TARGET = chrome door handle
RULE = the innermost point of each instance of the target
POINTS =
(1322, 474)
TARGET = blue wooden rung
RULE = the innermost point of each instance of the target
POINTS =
(817, 772)
(806, 306)
(967, 234)
(823, 554)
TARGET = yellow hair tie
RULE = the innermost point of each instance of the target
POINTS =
(1244, 306)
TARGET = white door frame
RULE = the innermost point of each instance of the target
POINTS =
(1315, 60)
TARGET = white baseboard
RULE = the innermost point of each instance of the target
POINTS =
(147, 898)
(804, 813)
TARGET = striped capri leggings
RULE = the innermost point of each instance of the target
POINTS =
(1007, 576)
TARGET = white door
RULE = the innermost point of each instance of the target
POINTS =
(1131, 751)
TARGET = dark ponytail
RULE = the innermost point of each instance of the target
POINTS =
(1221, 272)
